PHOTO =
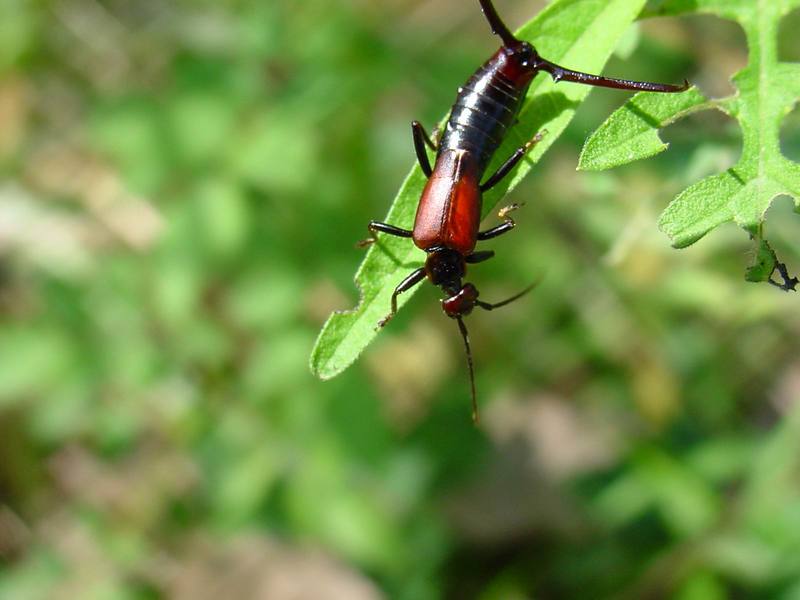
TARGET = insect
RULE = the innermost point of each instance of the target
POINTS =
(448, 215)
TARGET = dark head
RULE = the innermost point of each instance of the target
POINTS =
(445, 268)
(462, 302)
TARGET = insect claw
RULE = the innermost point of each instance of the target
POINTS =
(503, 212)
(535, 139)
(436, 137)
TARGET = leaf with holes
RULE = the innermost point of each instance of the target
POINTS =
(767, 90)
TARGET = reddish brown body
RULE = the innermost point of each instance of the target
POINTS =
(448, 216)
(449, 211)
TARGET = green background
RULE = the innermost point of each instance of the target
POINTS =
(181, 188)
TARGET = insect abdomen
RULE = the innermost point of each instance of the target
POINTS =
(485, 109)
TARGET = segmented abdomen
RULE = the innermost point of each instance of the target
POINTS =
(485, 110)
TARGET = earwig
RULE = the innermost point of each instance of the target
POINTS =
(449, 211)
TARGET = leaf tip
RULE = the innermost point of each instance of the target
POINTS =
(680, 237)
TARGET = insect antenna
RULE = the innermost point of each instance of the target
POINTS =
(498, 27)
(487, 306)
(465, 336)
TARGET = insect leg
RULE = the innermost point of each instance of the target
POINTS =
(376, 226)
(421, 139)
(480, 256)
(507, 224)
(429, 141)
(405, 285)
(506, 167)
(436, 137)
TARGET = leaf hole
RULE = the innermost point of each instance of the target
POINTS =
(782, 229)
(788, 42)
(790, 135)
(697, 157)
(781, 210)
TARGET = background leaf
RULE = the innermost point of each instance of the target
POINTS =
(631, 133)
(767, 90)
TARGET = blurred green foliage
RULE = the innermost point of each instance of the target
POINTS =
(181, 187)
(765, 91)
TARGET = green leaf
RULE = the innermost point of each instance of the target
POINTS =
(580, 34)
(632, 132)
(18, 29)
(763, 265)
(767, 90)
